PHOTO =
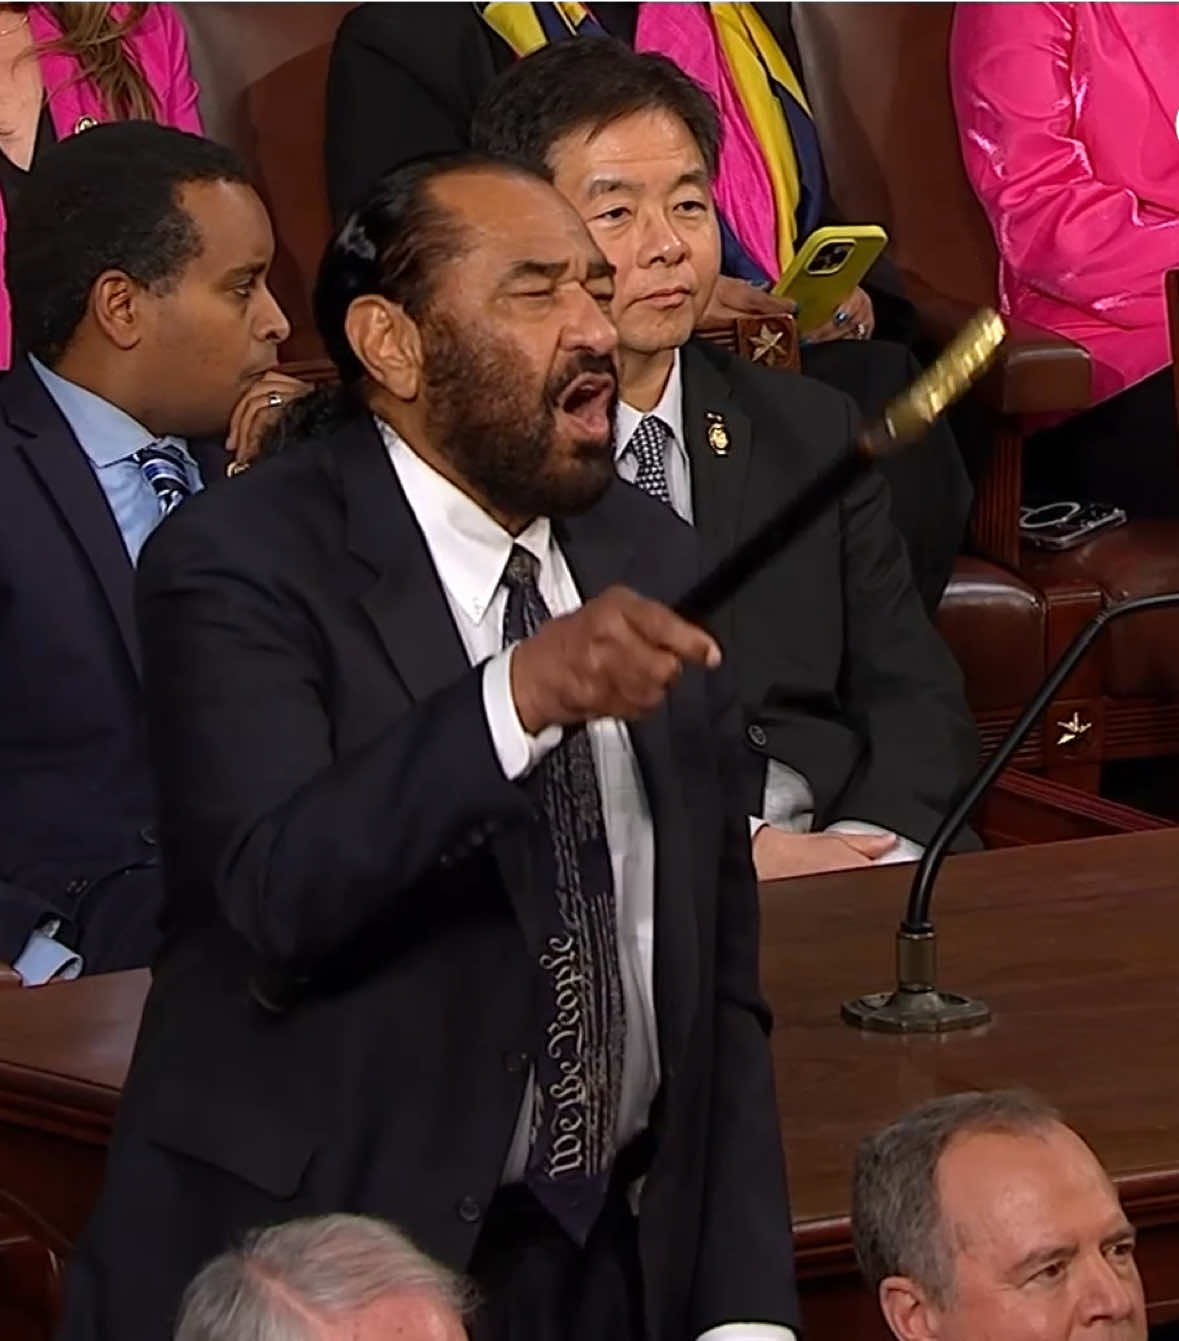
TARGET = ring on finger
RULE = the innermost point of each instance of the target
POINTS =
(274, 399)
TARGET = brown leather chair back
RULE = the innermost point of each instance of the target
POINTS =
(879, 87)
(262, 69)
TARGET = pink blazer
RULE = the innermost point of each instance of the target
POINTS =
(159, 45)
(1068, 117)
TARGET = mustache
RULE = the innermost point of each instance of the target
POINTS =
(601, 365)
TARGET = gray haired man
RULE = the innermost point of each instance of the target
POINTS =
(331, 1278)
(982, 1217)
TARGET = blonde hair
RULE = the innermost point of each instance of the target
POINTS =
(96, 40)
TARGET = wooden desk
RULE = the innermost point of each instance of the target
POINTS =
(1075, 948)
(1074, 945)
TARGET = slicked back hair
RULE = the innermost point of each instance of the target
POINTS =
(394, 243)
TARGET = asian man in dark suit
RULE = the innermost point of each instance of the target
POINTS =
(461, 924)
(858, 733)
(405, 80)
(136, 261)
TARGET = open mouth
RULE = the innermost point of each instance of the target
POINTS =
(587, 402)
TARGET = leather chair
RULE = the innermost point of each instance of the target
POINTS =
(877, 75)
(262, 69)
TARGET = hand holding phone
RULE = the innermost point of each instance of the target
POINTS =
(826, 270)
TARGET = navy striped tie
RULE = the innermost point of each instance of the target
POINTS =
(163, 467)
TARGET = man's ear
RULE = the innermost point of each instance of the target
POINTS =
(116, 305)
(388, 342)
(908, 1310)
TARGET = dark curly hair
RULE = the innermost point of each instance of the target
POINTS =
(107, 199)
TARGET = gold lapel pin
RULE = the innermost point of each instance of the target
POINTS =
(718, 433)
(84, 123)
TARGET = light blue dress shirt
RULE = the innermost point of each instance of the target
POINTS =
(110, 437)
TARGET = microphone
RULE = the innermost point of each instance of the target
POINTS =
(904, 420)
(916, 1005)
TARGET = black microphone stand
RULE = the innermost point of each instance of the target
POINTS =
(916, 1005)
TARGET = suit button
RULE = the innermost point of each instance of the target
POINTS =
(756, 736)
(469, 1210)
(148, 834)
(445, 860)
(76, 887)
(515, 1062)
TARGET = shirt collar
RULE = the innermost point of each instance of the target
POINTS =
(670, 409)
(470, 549)
(105, 433)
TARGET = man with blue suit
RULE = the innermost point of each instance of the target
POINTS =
(136, 259)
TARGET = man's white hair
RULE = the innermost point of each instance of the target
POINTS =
(285, 1280)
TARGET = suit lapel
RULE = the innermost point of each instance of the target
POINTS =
(405, 602)
(599, 555)
(719, 478)
(408, 608)
(47, 443)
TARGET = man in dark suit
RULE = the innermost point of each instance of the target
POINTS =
(136, 262)
(857, 728)
(405, 80)
(462, 925)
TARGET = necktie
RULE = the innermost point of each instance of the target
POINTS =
(578, 1072)
(649, 444)
(162, 466)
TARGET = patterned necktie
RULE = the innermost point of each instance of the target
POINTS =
(649, 444)
(163, 467)
(578, 1073)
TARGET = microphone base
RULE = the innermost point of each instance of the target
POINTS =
(910, 1012)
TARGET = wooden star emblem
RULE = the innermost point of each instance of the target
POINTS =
(1073, 729)
(765, 344)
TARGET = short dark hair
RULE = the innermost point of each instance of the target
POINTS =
(896, 1217)
(106, 199)
(589, 82)
(393, 243)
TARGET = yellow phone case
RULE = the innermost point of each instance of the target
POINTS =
(826, 268)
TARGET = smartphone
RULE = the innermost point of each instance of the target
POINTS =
(1063, 525)
(826, 268)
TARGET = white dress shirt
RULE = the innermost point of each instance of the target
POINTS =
(470, 551)
(788, 801)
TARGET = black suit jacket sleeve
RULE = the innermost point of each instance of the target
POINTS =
(745, 1263)
(403, 81)
(900, 684)
(306, 850)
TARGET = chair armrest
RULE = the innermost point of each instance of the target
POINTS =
(1036, 372)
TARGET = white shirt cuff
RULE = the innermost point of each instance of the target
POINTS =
(756, 825)
(517, 751)
(748, 1331)
(43, 959)
(903, 850)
